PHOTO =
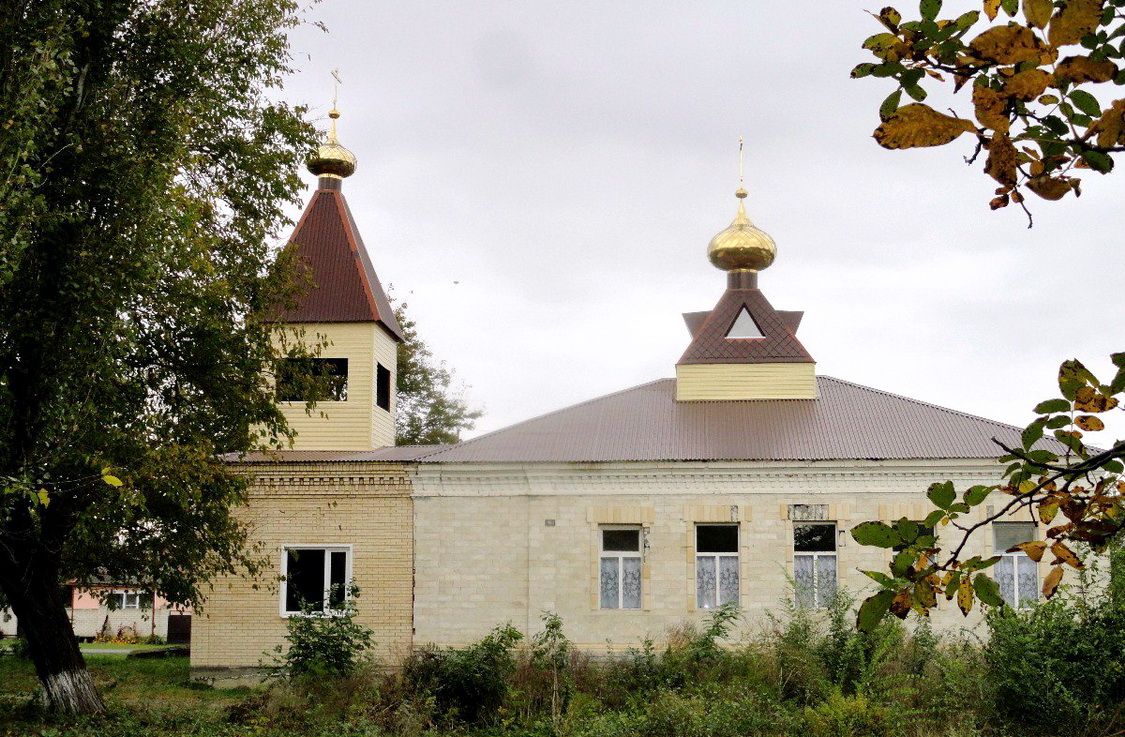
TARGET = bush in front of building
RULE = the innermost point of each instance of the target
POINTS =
(319, 643)
(468, 685)
(1060, 666)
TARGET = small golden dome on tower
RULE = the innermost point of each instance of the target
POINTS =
(742, 246)
(331, 158)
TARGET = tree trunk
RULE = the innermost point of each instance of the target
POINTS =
(58, 662)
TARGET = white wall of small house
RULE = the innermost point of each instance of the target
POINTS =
(504, 543)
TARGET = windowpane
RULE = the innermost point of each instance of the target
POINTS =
(631, 583)
(621, 540)
(825, 579)
(804, 579)
(383, 387)
(305, 379)
(705, 581)
(716, 539)
(1010, 534)
(744, 326)
(728, 579)
(338, 578)
(610, 585)
(304, 577)
(810, 538)
(1028, 579)
(1005, 572)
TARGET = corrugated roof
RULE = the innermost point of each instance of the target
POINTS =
(778, 345)
(398, 453)
(646, 423)
(345, 286)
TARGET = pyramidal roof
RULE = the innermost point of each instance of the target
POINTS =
(344, 286)
(712, 340)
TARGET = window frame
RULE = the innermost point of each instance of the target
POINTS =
(737, 555)
(122, 595)
(1020, 603)
(816, 556)
(621, 555)
(328, 549)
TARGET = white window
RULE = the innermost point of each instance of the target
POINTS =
(814, 563)
(314, 578)
(620, 579)
(1016, 573)
(125, 600)
(716, 565)
(744, 326)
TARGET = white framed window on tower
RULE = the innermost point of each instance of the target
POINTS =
(814, 563)
(620, 568)
(716, 565)
(1015, 572)
(314, 578)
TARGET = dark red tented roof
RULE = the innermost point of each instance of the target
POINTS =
(778, 345)
(344, 287)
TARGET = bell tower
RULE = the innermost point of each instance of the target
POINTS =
(345, 311)
(744, 348)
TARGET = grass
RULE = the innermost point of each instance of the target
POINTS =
(119, 647)
(144, 696)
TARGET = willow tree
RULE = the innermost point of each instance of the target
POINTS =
(143, 170)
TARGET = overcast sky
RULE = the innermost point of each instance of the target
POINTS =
(540, 181)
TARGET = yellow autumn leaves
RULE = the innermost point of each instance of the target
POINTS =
(1010, 68)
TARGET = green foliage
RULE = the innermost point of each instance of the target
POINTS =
(469, 685)
(1025, 74)
(144, 171)
(1060, 666)
(1043, 477)
(320, 644)
(853, 716)
(429, 409)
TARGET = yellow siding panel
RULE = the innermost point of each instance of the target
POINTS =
(727, 381)
(343, 425)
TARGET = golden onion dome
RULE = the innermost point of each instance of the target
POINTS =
(742, 246)
(331, 158)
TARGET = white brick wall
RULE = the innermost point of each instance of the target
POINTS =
(485, 554)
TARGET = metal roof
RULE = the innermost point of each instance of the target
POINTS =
(646, 423)
(398, 453)
(778, 343)
(345, 286)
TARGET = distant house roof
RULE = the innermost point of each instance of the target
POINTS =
(777, 344)
(397, 453)
(345, 287)
(645, 423)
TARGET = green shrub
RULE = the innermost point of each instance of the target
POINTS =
(324, 644)
(469, 685)
(1059, 666)
(853, 716)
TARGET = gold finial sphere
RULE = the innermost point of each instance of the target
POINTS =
(742, 246)
(331, 158)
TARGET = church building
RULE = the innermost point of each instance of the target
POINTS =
(737, 480)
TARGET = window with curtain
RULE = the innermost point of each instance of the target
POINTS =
(1017, 574)
(620, 568)
(814, 563)
(716, 565)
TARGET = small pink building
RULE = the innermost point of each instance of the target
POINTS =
(116, 609)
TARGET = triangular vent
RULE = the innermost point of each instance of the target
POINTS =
(744, 326)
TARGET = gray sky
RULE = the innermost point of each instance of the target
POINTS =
(540, 181)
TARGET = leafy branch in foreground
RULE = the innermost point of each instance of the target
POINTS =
(1037, 119)
(1044, 476)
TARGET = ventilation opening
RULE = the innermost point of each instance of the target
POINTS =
(744, 326)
